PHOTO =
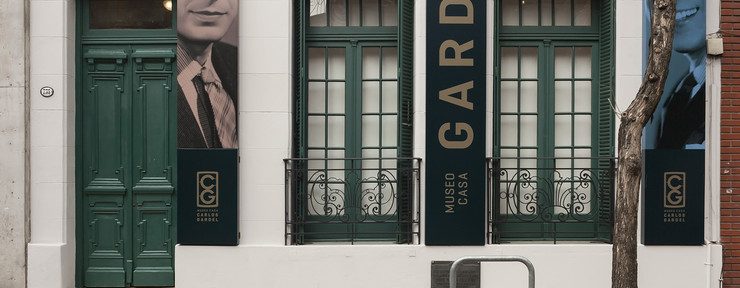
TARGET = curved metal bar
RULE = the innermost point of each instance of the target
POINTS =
(521, 259)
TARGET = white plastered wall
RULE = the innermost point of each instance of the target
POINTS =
(262, 260)
(265, 132)
(51, 252)
(265, 89)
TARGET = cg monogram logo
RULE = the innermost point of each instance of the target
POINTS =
(207, 187)
(674, 190)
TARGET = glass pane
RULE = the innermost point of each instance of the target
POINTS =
(390, 13)
(583, 62)
(354, 12)
(510, 12)
(316, 130)
(563, 11)
(370, 97)
(546, 14)
(563, 62)
(390, 97)
(370, 154)
(509, 63)
(582, 13)
(317, 12)
(509, 97)
(336, 165)
(529, 13)
(336, 97)
(390, 63)
(338, 16)
(370, 13)
(563, 96)
(582, 163)
(370, 131)
(336, 63)
(389, 153)
(528, 97)
(316, 154)
(507, 153)
(528, 130)
(509, 127)
(563, 130)
(336, 131)
(529, 62)
(316, 63)
(529, 153)
(582, 132)
(563, 153)
(336, 154)
(564, 165)
(316, 95)
(130, 14)
(583, 96)
(390, 130)
(371, 63)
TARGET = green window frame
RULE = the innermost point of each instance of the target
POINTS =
(552, 170)
(353, 123)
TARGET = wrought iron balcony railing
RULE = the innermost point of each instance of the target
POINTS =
(550, 199)
(352, 200)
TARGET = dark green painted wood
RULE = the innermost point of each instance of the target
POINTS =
(353, 39)
(605, 115)
(126, 155)
(600, 37)
(405, 110)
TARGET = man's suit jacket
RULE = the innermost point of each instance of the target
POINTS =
(224, 59)
(684, 124)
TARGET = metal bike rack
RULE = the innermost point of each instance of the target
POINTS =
(459, 262)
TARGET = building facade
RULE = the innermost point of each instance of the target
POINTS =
(333, 119)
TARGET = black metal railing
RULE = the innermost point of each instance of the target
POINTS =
(350, 200)
(550, 199)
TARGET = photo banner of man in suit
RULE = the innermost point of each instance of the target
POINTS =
(679, 119)
(675, 136)
(207, 109)
(207, 73)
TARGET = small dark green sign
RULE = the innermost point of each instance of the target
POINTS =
(455, 123)
(207, 197)
(673, 197)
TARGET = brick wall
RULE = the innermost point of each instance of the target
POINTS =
(730, 152)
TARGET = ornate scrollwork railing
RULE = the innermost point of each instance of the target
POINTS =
(550, 199)
(352, 199)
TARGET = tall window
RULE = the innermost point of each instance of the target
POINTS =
(353, 180)
(552, 170)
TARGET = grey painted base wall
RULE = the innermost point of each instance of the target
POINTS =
(14, 229)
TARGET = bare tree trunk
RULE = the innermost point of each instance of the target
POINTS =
(624, 251)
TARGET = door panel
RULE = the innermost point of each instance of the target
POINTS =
(153, 156)
(128, 152)
(104, 161)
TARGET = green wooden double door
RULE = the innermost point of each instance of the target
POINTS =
(126, 115)
(127, 118)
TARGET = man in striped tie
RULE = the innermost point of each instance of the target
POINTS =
(207, 75)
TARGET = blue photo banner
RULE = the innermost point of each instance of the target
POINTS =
(675, 136)
(679, 119)
(456, 107)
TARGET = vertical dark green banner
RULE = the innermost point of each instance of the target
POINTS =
(673, 198)
(207, 197)
(456, 119)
